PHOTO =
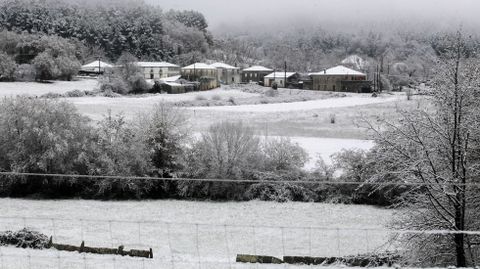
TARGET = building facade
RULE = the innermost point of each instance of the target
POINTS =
(159, 70)
(340, 79)
(205, 74)
(255, 74)
(282, 79)
(227, 74)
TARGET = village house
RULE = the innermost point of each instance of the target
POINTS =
(282, 79)
(227, 74)
(340, 78)
(95, 68)
(159, 70)
(206, 74)
(255, 74)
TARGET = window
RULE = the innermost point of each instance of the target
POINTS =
(333, 87)
(256, 74)
(245, 75)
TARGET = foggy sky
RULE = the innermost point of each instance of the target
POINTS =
(249, 13)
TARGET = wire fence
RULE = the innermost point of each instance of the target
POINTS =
(192, 244)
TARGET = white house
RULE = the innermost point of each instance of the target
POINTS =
(255, 74)
(283, 79)
(340, 78)
(227, 74)
(159, 70)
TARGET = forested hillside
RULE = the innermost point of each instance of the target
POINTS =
(400, 54)
(108, 30)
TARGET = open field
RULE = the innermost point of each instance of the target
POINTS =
(38, 89)
(192, 232)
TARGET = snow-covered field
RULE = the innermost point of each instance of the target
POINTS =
(326, 147)
(194, 234)
(38, 89)
(349, 101)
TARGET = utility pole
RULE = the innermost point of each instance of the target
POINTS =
(99, 66)
(274, 76)
(285, 79)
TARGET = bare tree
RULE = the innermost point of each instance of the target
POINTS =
(437, 147)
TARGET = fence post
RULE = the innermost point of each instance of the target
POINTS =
(197, 246)
(1, 259)
(170, 245)
(310, 241)
(227, 246)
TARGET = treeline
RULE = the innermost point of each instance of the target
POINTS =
(51, 137)
(28, 57)
(109, 30)
(401, 55)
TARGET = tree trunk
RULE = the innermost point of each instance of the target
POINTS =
(460, 238)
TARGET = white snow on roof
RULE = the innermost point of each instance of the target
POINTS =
(199, 66)
(95, 64)
(156, 64)
(173, 84)
(338, 70)
(223, 65)
(170, 79)
(280, 75)
(258, 68)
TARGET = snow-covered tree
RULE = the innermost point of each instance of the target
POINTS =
(438, 145)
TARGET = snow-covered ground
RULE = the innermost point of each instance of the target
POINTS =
(326, 147)
(349, 101)
(150, 99)
(170, 228)
(38, 89)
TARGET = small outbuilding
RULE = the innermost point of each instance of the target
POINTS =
(342, 79)
(255, 74)
(227, 74)
(282, 79)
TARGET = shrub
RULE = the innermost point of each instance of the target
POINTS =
(45, 67)
(7, 67)
(228, 150)
(51, 95)
(75, 93)
(271, 93)
(126, 78)
(281, 154)
(332, 118)
(24, 238)
(216, 97)
(43, 136)
(164, 131)
(199, 97)
(25, 72)
(67, 67)
(111, 82)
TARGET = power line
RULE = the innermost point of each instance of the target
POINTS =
(238, 181)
